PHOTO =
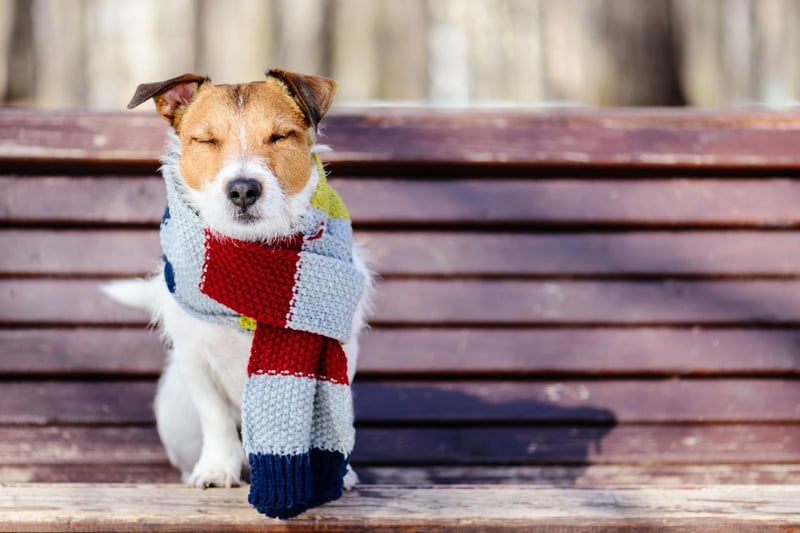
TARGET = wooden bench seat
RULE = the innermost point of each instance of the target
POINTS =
(590, 318)
(495, 508)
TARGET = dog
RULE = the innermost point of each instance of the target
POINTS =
(246, 157)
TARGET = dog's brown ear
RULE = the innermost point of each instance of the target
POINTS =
(169, 95)
(314, 94)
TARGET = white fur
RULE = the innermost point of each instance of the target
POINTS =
(198, 402)
(274, 214)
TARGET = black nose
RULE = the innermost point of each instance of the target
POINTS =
(243, 192)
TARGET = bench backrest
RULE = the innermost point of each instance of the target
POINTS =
(566, 288)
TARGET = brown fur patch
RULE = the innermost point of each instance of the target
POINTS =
(226, 123)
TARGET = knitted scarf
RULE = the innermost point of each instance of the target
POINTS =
(298, 299)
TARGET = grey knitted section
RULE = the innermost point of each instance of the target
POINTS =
(325, 424)
(332, 428)
(183, 243)
(278, 427)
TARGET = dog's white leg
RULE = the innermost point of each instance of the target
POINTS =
(221, 456)
(177, 421)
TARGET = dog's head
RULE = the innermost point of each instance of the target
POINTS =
(246, 150)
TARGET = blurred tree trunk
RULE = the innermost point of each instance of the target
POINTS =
(485, 50)
(231, 47)
(59, 57)
(609, 52)
(128, 43)
(403, 50)
(355, 61)
(739, 51)
(379, 49)
(6, 33)
(301, 35)
(20, 80)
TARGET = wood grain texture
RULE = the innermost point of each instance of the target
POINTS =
(96, 252)
(574, 138)
(474, 444)
(470, 445)
(110, 473)
(42, 302)
(69, 507)
(567, 476)
(663, 302)
(559, 476)
(675, 203)
(81, 445)
(455, 352)
(450, 403)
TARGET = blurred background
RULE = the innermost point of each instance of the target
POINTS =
(708, 53)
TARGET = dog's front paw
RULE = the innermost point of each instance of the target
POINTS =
(350, 479)
(216, 474)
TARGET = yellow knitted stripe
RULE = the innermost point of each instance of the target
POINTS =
(325, 198)
(245, 322)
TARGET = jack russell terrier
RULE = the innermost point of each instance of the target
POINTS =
(261, 296)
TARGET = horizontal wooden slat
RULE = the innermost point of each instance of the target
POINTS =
(55, 445)
(624, 444)
(479, 302)
(704, 253)
(636, 138)
(80, 351)
(579, 476)
(598, 352)
(656, 202)
(648, 445)
(459, 352)
(587, 302)
(551, 475)
(139, 200)
(473, 202)
(70, 473)
(46, 403)
(408, 402)
(83, 252)
(491, 509)
(631, 401)
(436, 253)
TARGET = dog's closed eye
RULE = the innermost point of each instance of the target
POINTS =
(206, 140)
(276, 137)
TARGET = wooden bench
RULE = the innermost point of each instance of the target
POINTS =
(586, 320)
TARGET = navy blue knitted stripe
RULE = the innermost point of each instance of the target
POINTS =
(280, 484)
(169, 275)
(283, 486)
(329, 469)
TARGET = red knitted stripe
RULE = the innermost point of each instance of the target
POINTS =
(297, 353)
(333, 366)
(252, 279)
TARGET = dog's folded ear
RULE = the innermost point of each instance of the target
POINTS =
(314, 94)
(169, 95)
